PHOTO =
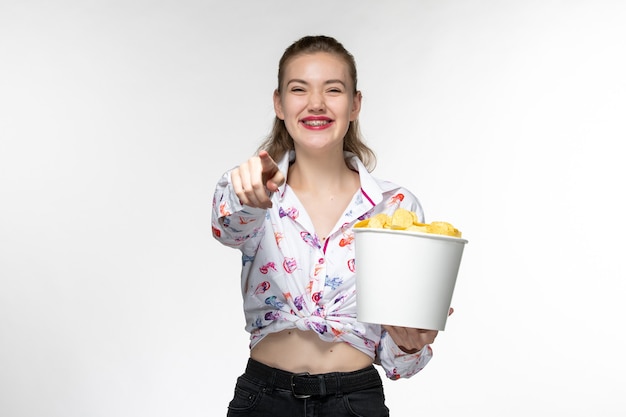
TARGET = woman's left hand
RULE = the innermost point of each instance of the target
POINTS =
(411, 340)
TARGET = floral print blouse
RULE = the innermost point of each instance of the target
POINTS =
(292, 279)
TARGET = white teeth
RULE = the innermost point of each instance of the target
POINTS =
(316, 122)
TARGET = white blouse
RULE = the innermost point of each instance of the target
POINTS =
(292, 279)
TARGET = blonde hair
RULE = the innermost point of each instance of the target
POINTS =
(279, 141)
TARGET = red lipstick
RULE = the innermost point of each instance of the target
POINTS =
(316, 122)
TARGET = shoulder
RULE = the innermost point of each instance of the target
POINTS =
(398, 195)
(387, 195)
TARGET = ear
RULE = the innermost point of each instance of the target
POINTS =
(278, 106)
(356, 106)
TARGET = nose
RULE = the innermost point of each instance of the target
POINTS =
(316, 102)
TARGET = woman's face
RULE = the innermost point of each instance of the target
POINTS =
(317, 101)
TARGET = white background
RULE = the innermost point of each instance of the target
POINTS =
(506, 118)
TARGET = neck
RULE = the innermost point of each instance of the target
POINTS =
(325, 174)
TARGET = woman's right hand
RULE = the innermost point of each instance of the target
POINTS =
(255, 180)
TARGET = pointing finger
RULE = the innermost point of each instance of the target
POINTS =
(272, 177)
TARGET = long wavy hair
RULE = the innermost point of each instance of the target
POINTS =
(279, 141)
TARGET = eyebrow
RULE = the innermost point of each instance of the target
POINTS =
(296, 80)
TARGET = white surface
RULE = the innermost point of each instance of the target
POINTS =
(506, 118)
(405, 278)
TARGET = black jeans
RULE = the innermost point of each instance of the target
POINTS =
(264, 397)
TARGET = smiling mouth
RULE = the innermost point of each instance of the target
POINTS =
(316, 123)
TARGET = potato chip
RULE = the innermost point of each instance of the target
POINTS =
(403, 219)
(418, 228)
(362, 223)
(379, 221)
(443, 228)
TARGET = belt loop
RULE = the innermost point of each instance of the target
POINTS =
(322, 385)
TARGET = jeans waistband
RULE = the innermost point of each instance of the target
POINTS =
(304, 385)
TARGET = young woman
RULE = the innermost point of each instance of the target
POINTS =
(290, 211)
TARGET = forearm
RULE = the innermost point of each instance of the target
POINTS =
(397, 363)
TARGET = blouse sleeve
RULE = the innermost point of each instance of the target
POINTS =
(232, 223)
(398, 364)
